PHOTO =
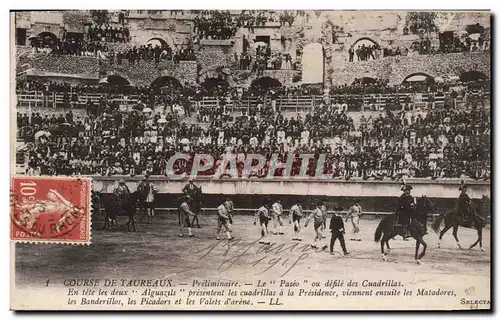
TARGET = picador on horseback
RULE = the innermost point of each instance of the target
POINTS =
(405, 209)
(463, 203)
(122, 192)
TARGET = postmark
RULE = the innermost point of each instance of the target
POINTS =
(51, 210)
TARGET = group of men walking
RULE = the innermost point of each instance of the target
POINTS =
(318, 216)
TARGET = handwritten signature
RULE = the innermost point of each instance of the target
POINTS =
(284, 257)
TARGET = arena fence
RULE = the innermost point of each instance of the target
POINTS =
(353, 102)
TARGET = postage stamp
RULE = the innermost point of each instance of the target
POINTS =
(51, 210)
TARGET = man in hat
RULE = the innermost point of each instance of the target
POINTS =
(319, 218)
(185, 216)
(190, 188)
(263, 215)
(277, 211)
(463, 203)
(148, 192)
(354, 214)
(296, 214)
(122, 191)
(122, 188)
(337, 230)
(325, 212)
(405, 209)
(225, 218)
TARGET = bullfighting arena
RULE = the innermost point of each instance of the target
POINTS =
(156, 251)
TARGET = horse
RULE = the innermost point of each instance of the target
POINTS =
(196, 205)
(113, 207)
(418, 228)
(97, 198)
(452, 219)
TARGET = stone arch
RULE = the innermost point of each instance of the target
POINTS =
(473, 75)
(115, 80)
(264, 83)
(364, 40)
(415, 75)
(313, 63)
(164, 81)
(155, 40)
(355, 39)
(44, 38)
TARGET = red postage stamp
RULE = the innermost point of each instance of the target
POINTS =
(51, 210)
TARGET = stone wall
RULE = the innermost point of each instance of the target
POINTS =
(87, 66)
(173, 32)
(396, 69)
(347, 27)
(211, 57)
(144, 73)
(283, 76)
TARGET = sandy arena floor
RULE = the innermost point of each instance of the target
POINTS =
(156, 251)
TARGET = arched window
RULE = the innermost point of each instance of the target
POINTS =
(157, 42)
(44, 39)
(365, 49)
(265, 83)
(419, 77)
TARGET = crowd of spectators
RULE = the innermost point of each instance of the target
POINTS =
(189, 96)
(424, 46)
(107, 33)
(69, 46)
(152, 53)
(95, 48)
(364, 52)
(223, 25)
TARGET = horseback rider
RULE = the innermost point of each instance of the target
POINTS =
(121, 191)
(463, 203)
(405, 209)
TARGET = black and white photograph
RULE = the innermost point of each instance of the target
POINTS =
(250, 160)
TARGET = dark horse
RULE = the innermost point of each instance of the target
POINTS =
(114, 207)
(418, 228)
(196, 205)
(452, 219)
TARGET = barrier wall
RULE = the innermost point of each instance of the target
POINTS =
(379, 197)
